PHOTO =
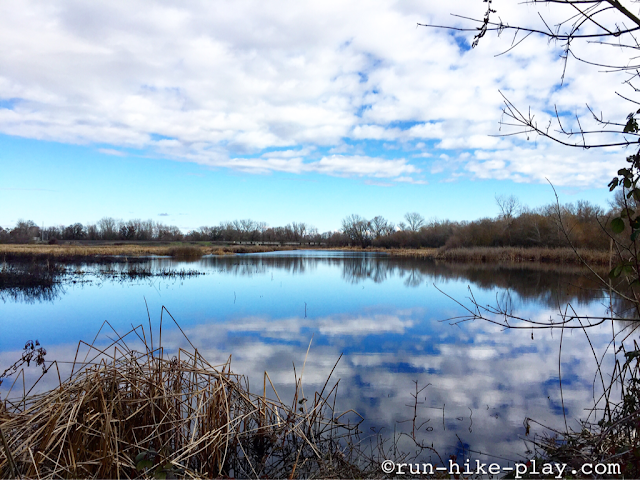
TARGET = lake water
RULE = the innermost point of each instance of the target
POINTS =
(384, 315)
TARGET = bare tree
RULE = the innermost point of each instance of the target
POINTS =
(508, 206)
(261, 227)
(92, 232)
(108, 229)
(414, 221)
(358, 230)
(24, 231)
(381, 227)
(299, 230)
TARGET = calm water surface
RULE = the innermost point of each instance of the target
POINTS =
(383, 314)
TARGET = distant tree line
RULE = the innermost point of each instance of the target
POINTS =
(105, 229)
(110, 229)
(252, 231)
(515, 225)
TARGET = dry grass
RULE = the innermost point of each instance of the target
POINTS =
(130, 414)
(92, 252)
(496, 254)
(522, 255)
(186, 252)
(64, 251)
(411, 252)
(507, 255)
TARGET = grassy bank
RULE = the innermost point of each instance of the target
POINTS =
(564, 256)
(110, 253)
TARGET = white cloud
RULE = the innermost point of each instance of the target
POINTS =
(111, 151)
(288, 153)
(376, 132)
(212, 82)
(361, 165)
(470, 141)
(410, 180)
(548, 161)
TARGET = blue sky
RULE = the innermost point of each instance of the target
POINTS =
(193, 114)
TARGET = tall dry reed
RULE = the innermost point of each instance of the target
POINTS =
(130, 414)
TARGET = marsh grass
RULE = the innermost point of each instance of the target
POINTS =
(121, 252)
(137, 271)
(81, 253)
(30, 281)
(508, 255)
(22, 275)
(187, 252)
(124, 413)
(564, 256)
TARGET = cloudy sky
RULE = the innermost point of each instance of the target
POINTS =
(194, 113)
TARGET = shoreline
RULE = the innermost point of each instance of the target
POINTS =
(511, 255)
(112, 252)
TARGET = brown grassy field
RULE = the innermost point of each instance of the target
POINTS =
(507, 255)
(503, 255)
(85, 250)
(67, 252)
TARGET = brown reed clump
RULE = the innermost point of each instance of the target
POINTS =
(186, 252)
(129, 414)
(67, 252)
(502, 255)
(28, 274)
(106, 253)
(524, 255)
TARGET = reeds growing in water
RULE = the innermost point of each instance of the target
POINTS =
(565, 256)
(124, 413)
(186, 252)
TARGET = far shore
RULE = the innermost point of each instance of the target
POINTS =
(87, 250)
(100, 251)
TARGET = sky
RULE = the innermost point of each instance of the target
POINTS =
(193, 113)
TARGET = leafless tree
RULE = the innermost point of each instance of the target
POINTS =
(299, 230)
(24, 231)
(381, 226)
(414, 221)
(358, 230)
(108, 228)
(261, 227)
(508, 206)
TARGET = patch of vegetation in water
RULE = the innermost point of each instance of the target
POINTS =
(29, 274)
